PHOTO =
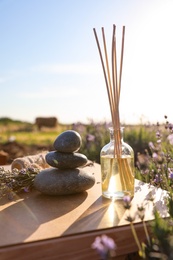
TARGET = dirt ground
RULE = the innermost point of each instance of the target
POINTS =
(12, 150)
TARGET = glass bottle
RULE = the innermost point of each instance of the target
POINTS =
(117, 171)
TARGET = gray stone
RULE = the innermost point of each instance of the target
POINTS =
(52, 181)
(65, 160)
(67, 142)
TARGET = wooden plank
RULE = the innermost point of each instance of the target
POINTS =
(77, 246)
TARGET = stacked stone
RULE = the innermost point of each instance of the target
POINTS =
(65, 175)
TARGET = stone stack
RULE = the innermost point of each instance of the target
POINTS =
(65, 175)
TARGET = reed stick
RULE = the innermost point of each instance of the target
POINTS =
(121, 62)
(104, 72)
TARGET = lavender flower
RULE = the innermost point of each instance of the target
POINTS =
(151, 145)
(155, 156)
(26, 189)
(90, 138)
(158, 178)
(130, 219)
(170, 171)
(170, 139)
(127, 202)
(22, 171)
(141, 212)
(105, 246)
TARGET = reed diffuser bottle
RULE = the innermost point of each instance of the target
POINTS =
(117, 157)
(117, 168)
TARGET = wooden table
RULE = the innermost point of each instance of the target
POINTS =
(36, 226)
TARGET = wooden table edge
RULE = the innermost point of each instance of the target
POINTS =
(76, 246)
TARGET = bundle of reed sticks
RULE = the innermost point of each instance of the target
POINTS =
(113, 85)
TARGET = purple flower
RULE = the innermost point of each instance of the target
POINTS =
(155, 155)
(170, 173)
(158, 135)
(170, 126)
(151, 145)
(146, 172)
(22, 171)
(26, 189)
(90, 138)
(127, 202)
(170, 139)
(105, 246)
(158, 178)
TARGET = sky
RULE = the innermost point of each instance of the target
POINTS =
(50, 65)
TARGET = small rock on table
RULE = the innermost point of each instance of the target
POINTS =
(68, 142)
(65, 160)
(54, 181)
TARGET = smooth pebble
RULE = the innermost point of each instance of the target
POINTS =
(65, 160)
(54, 181)
(67, 142)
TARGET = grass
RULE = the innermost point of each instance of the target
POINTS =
(27, 133)
(94, 135)
(46, 138)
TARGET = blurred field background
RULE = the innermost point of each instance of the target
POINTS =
(18, 138)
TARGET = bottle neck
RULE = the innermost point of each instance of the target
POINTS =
(116, 133)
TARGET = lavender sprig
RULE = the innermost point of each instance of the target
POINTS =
(15, 181)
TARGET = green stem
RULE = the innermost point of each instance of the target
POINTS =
(135, 237)
(146, 232)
